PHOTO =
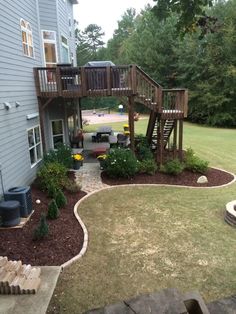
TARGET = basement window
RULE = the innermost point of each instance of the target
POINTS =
(35, 145)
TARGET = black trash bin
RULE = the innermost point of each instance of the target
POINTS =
(10, 213)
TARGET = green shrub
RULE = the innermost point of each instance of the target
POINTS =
(52, 175)
(173, 167)
(53, 211)
(71, 186)
(144, 152)
(121, 162)
(51, 189)
(60, 199)
(42, 230)
(194, 163)
(148, 166)
(62, 155)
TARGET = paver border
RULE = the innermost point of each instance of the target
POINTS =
(85, 231)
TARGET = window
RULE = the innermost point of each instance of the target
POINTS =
(57, 132)
(27, 38)
(64, 50)
(49, 45)
(35, 145)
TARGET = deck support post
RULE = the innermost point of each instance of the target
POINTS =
(181, 139)
(131, 121)
(161, 140)
(175, 138)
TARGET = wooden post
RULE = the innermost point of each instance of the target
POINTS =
(181, 139)
(108, 70)
(80, 115)
(83, 81)
(131, 121)
(175, 138)
(161, 141)
(58, 80)
(134, 79)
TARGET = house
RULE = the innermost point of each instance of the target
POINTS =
(33, 33)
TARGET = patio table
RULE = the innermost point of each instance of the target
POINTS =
(103, 130)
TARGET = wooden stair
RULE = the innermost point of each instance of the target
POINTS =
(152, 130)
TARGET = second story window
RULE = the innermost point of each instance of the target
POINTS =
(65, 50)
(50, 48)
(27, 38)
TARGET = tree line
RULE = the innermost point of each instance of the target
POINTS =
(178, 49)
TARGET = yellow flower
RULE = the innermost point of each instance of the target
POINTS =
(102, 157)
(78, 157)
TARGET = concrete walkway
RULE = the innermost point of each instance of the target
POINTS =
(32, 303)
(89, 176)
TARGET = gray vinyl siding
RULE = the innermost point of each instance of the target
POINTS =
(48, 14)
(65, 12)
(17, 85)
(72, 38)
(17, 81)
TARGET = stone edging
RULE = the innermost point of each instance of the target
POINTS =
(85, 231)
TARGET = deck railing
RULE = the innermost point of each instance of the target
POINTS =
(175, 101)
(125, 80)
(83, 81)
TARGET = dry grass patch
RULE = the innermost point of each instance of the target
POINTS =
(146, 239)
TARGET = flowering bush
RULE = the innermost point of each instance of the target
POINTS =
(61, 155)
(121, 163)
(78, 157)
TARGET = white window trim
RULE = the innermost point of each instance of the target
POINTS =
(35, 145)
(63, 131)
(28, 32)
(49, 41)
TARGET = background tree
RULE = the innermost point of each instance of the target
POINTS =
(192, 14)
(89, 42)
(115, 46)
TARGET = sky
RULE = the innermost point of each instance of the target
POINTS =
(105, 13)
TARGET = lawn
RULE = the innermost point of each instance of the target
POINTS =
(144, 239)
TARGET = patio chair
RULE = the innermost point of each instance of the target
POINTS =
(122, 140)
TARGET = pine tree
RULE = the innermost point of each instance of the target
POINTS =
(42, 230)
(53, 211)
(60, 199)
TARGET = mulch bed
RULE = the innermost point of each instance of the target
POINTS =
(215, 178)
(64, 241)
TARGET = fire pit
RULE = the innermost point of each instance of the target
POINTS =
(230, 213)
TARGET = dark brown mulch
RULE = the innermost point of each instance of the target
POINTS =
(215, 178)
(64, 241)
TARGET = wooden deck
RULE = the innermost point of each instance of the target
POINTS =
(119, 81)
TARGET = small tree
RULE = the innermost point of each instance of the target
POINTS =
(60, 199)
(42, 230)
(53, 211)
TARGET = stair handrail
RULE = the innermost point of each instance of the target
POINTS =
(152, 81)
(157, 88)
